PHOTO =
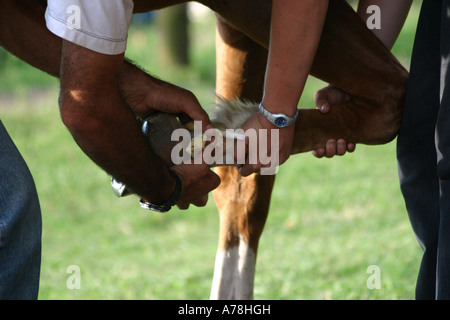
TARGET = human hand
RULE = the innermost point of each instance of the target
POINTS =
(330, 96)
(197, 181)
(277, 150)
(334, 148)
(172, 99)
(146, 94)
(325, 99)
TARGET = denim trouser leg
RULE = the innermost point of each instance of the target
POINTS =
(20, 225)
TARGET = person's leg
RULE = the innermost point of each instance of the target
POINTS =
(416, 149)
(20, 225)
(443, 165)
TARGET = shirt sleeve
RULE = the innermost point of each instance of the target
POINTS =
(98, 25)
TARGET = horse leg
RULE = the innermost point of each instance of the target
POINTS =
(349, 57)
(243, 203)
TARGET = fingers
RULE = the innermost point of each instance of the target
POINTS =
(214, 180)
(326, 98)
(172, 99)
(211, 181)
(330, 96)
(319, 153)
(199, 114)
(248, 169)
(351, 147)
(197, 181)
(183, 205)
(264, 169)
(195, 112)
(200, 202)
(334, 148)
(341, 147)
(321, 99)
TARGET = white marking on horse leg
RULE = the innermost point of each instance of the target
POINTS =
(234, 273)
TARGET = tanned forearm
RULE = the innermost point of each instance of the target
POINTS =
(295, 34)
(100, 109)
(104, 126)
(23, 33)
(114, 143)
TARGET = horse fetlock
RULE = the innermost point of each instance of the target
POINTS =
(383, 124)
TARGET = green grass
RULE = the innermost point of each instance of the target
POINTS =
(330, 219)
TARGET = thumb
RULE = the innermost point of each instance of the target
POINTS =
(198, 114)
(321, 100)
(195, 111)
(330, 96)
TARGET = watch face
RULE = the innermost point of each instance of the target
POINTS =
(280, 122)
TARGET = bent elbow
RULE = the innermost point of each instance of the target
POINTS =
(76, 116)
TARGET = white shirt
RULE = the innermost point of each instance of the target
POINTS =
(98, 25)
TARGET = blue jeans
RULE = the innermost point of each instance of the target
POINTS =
(20, 225)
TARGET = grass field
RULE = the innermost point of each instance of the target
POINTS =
(330, 219)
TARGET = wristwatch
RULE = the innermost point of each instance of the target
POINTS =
(166, 206)
(279, 120)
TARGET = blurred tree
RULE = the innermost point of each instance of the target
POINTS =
(173, 25)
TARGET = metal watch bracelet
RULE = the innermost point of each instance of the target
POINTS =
(279, 120)
(173, 199)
